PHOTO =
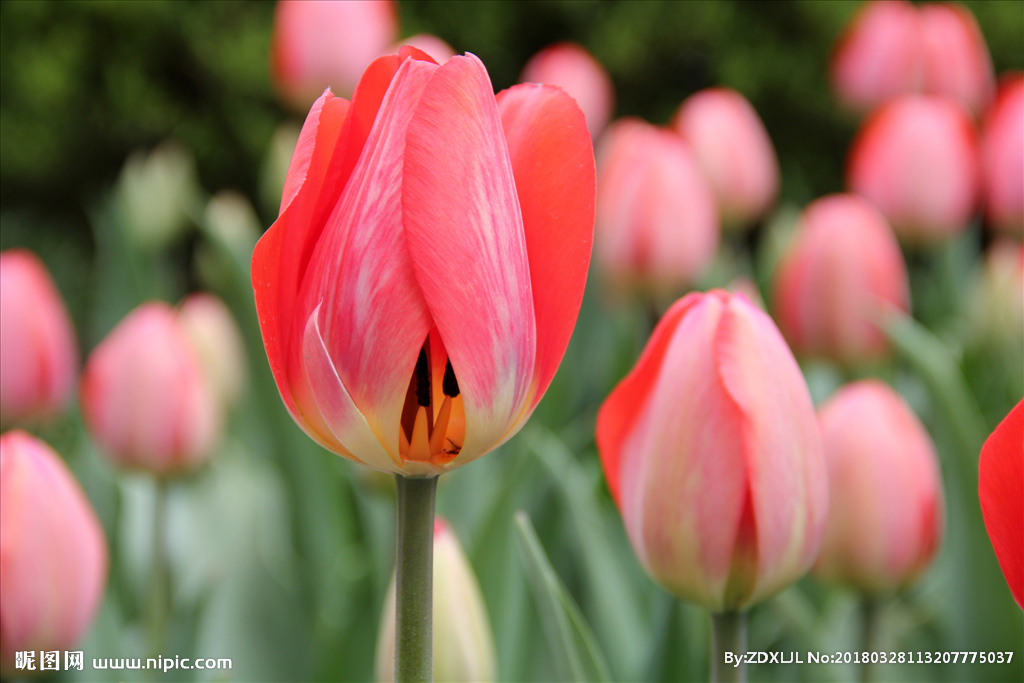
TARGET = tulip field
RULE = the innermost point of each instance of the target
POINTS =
(380, 340)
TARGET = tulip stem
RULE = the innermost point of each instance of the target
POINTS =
(159, 592)
(729, 635)
(414, 565)
(869, 636)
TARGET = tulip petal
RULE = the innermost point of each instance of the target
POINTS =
(553, 164)
(468, 247)
(1001, 492)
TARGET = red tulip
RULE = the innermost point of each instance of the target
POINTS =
(53, 555)
(657, 221)
(712, 452)
(917, 159)
(145, 398)
(420, 285)
(38, 353)
(1001, 491)
(885, 514)
(955, 62)
(841, 271)
(572, 68)
(1002, 143)
(327, 43)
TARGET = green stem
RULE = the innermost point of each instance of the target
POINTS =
(729, 634)
(868, 636)
(159, 591)
(413, 580)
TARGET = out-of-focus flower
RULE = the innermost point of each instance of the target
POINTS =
(918, 160)
(463, 642)
(439, 50)
(1001, 492)
(327, 44)
(712, 452)
(996, 311)
(955, 58)
(885, 514)
(734, 152)
(155, 194)
(145, 397)
(570, 67)
(215, 336)
(38, 352)
(53, 555)
(420, 285)
(840, 272)
(1001, 143)
(657, 221)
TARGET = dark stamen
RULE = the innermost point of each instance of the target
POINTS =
(450, 385)
(422, 380)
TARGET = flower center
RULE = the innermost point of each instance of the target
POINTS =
(433, 423)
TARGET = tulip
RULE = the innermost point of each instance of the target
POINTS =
(734, 152)
(215, 337)
(657, 221)
(438, 50)
(328, 43)
(885, 490)
(570, 67)
(842, 269)
(712, 453)
(53, 555)
(145, 397)
(155, 193)
(1001, 492)
(917, 159)
(465, 644)
(1001, 144)
(421, 282)
(955, 59)
(996, 310)
(38, 352)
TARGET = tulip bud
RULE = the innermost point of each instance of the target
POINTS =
(734, 152)
(215, 336)
(712, 452)
(657, 221)
(430, 44)
(885, 514)
(573, 69)
(155, 193)
(327, 44)
(53, 555)
(38, 352)
(1001, 492)
(840, 272)
(463, 642)
(996, 312)
(1001, 144)
(956, 62)
(917, 159)
(145, 398)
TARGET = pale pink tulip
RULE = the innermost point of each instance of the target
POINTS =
(439, 50)
(885, 490)
(918, 160)
(215, 337)
(573, 69)
(657, 221)
(53, 555)
(1002, 146)
(734, 152)
(842, 270)
(956, 62)
(38, 352)
(712, 452)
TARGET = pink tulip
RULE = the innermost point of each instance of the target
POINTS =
(438, 50)
(145, 398)
(885, 490)
(841, 271)
(327, 44)
(734, 152)
(53, 555)
(712, 452)
(1002, 146)
(917, 159)
(956, 62)
(879, 55)
(657, 221)
(572, 68)
(38, 353)
(215, 337)
(420, 285)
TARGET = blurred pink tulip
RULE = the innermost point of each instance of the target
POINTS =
(657, 221)
(327, 44)
(215, 336)
(712, 452)
(572, 68)
(425, 42)
(734, 152)
(53, 554)
(842, 269)
(38, 352)
(1002, 146)
(956, 62)
(145, 398)
(918, 160)
(885, 515)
